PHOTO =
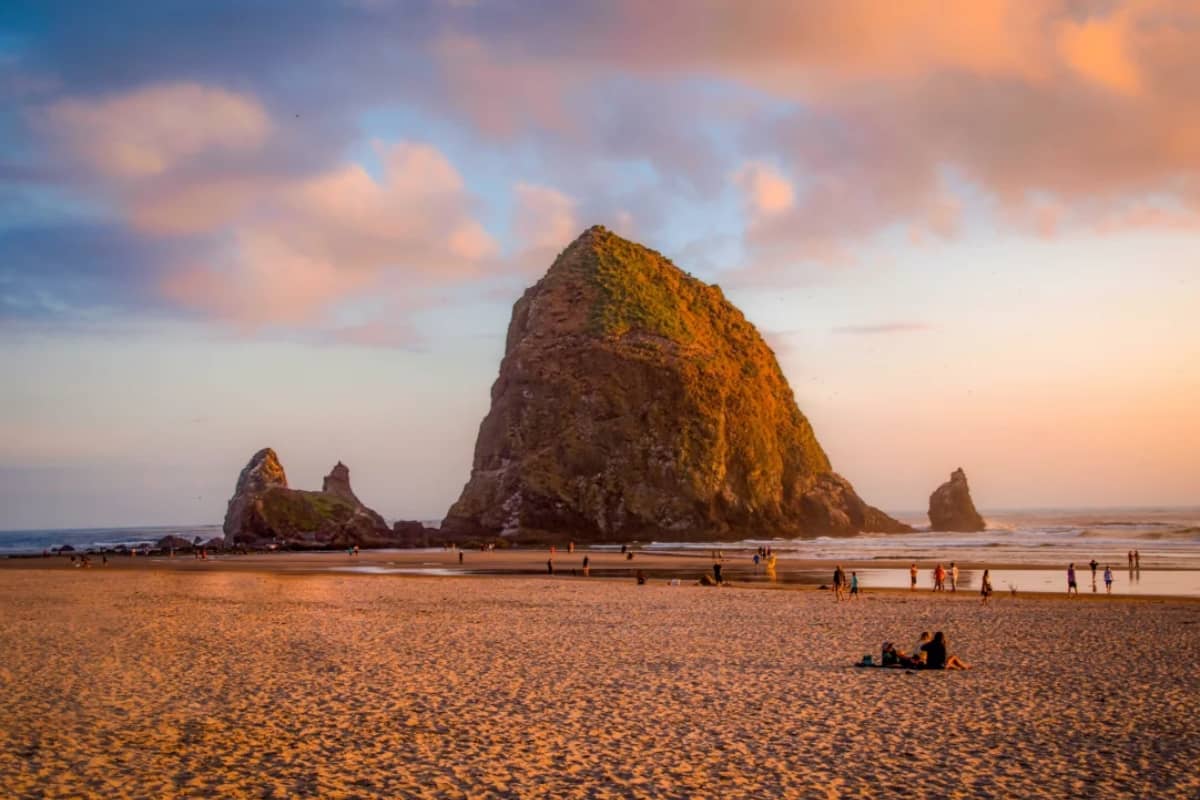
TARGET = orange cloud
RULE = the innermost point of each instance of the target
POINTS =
(766, 191)
(1096, 50)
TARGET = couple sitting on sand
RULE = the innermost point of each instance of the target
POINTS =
(930, 653)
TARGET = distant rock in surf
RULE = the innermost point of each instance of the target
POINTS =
(636, 402)
(265, 510)
(951, 507)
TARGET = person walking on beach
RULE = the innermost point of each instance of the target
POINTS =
(1107, 579)
(839, 582)
(953, 577)
(717, 572)
(586, 569)
(853, 585)
(1072, 586)
(1093, 565)
(985, 587)
(1131, 561)
(1137, 560)
(550, 565)
(939, 578)
(912, 577)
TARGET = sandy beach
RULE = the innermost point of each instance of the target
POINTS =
(138, 682)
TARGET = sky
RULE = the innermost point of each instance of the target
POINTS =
(970, 232)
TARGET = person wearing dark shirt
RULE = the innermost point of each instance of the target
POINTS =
(936, 656)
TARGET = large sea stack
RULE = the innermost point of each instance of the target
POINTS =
(635, 402)
(264, 510)
(951, 507)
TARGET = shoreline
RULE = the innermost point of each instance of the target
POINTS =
(606, 565)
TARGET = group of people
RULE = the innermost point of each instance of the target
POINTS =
(844, 589)
(1073, 584)
(931, 652)
(939, 574)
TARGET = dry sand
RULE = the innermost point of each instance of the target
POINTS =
(184, 682)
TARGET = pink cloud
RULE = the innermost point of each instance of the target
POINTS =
(292, 248)
(545, 221)
(149, 131)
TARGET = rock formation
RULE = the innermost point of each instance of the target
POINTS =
(635, 402)
(409, 533)
(338, 482)
(264, 510)
(951, 507)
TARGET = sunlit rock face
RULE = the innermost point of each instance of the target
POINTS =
(951, 507)
(635, 402)
(264, 509)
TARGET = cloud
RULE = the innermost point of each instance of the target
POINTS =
(1096, 50)
(544, 222)
(832, 123)
(766, 191)
(268, 247)
(148, 131)
(313, 243)
(882, 327)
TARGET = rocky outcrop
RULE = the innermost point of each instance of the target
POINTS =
(951, 507)
(173, 542)
(413, 534)
(264, 509)
(636, 402)
(338, 482)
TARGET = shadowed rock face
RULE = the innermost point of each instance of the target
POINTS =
(264, 509)
(636, 402)
(951, 507)
(338, 482)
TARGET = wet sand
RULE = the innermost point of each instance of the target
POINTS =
(687, 566)
(236, 679)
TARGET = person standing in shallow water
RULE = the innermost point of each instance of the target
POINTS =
(912, 577)
(953, 577)
(1107, 579)
(1072, 586)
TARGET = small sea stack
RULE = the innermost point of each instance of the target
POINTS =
(264, 509)
(951, 507)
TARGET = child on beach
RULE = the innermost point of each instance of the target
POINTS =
(912, 577)
(853, 585)
(1108, 579)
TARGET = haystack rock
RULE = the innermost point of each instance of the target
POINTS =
(264, 509)
(951, 507)
(635, 402)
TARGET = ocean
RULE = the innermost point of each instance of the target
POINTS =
(1034, 544)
